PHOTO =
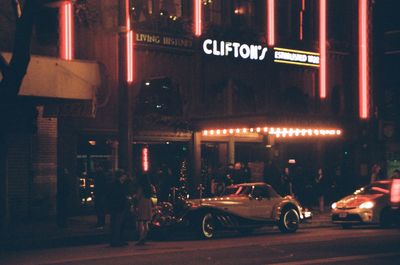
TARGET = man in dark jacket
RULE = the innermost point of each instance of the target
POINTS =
(118, 208)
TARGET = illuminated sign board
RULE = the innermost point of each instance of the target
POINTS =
(234, 49)
(289, 56)
(161, 40)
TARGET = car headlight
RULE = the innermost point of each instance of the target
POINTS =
(333, 205)
(366, 205)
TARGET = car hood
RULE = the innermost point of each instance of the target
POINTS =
(353, 201)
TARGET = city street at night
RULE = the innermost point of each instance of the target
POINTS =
(199, 132)
(333, 245)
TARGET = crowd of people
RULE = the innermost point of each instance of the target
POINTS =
(310, 189)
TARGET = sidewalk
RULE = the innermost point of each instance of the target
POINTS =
(81, 230)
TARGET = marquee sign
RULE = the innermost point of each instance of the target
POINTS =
(163, 40)
(260, 53)
(234, 49)
(289, 56)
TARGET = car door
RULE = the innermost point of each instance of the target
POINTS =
(261, 203)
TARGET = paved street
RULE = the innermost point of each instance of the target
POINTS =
(308, 246)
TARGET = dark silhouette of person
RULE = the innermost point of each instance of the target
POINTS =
(101, 184)
(144, 207)
(320, 186)
(287, 183)
(63, 194)
(118, 207)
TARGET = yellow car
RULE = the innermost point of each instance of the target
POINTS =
(368, 205)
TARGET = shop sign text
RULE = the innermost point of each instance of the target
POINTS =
(234, 49)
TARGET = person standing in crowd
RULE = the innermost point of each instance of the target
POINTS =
(286, 180)
(246, 172)
(101, 182)
(375, 173)
(144, 208)
(63, 195)
(118, 207)
(395, 174)
(272, 176)
(320, 184)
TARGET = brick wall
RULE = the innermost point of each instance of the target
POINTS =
(44, 166)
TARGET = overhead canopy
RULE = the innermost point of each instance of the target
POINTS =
(50, 77)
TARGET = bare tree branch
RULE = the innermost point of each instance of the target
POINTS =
(3, 65)
(12, 78)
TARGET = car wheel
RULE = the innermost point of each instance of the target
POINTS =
(346, 226)
(289, 221)
(207, 226)
(386, 218)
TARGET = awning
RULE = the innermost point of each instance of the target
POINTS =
(49, 77)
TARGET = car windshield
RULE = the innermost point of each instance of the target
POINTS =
(376, 188)
(238, 191)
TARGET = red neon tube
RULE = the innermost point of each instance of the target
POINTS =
(129, 46)
(145, 159)
(198, 18)
(66, 20)
(363, 58)
(271, 22)
(322, 49)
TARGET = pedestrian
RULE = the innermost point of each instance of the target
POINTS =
(375, 173)
(144, 208)
(286, 181)
(320, 183)
(101, 184)
(395, 174)
(119, 207)
(63, 196)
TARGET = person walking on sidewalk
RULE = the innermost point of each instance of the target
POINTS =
(118, 208)
(320, 186)
(101, 184)
(144, 208)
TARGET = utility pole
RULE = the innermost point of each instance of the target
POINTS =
(124, 108)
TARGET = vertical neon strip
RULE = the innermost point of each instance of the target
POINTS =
(322, 49)
(66, 21)
(198, 18)
(145, 159)
(303, 7)
(363, 58)
(129, 46)
(271, 22)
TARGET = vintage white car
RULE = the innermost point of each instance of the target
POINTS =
(367, 205)
(243, 207)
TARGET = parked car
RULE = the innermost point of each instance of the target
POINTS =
(242, 207)
(367, 205)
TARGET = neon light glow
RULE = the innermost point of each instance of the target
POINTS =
(271, 22)
(198, 18)
(363, 58)
(145, 159)
(395, 191)
(277, 131)
(129, 46)
(290, 56)
(66, 21)
(322, 48)
(303, 8)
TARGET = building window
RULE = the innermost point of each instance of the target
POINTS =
(169, 16)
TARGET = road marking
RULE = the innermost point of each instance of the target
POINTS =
(336, 259)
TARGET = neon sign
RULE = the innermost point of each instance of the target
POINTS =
(235, 49)
(289, 56)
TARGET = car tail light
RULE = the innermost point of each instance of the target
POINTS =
(395, 192)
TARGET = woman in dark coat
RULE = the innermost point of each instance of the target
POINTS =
(144, 207)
